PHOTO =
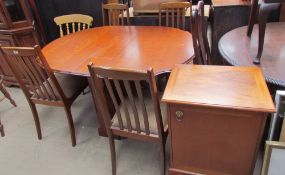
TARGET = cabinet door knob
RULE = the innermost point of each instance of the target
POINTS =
(179, 115)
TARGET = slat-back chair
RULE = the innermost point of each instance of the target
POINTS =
(73, 23)
(262, 12)
(8, 96)
(175, 13)
(199, 34)
(137, 116)
(114, 14)
(41, 85)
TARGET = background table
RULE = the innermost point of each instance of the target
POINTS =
(239, 50)
(120, 47)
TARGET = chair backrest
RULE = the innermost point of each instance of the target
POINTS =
(33, 73)
(114, 14)
(125, 90)
(175, 13)
(75, 21)
(199, 34)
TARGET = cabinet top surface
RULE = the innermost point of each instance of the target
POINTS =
(219, 86)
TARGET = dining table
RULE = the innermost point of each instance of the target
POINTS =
(128, 47)
(240, 50)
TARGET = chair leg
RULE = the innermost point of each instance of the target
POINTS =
(36, 119)
(2, 130)
(162, 157)
(71, 125)
(113, 154)
(7, 95)
(252, 17)
(264, 11)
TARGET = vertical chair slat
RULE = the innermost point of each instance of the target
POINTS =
(61, 31)
(172, 17)
(73, 27)
(133, 104)
(67, 28)
(141, 100)
(116, 105)
(122, 17)
(121, 95)
(183, 18)
(178, 13)
(167, 18)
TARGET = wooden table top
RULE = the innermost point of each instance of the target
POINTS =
(231, 87)
(239, 50)
(222, 3)
(130, 47)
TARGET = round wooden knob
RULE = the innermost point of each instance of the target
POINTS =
(179, 115)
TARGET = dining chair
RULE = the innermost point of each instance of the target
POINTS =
(41, 85)
(262, 12)
(199, 35)
(77, 22)
(114, 14)
(138, 113)
(175, 13)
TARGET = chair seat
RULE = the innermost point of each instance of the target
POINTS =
(71, 85)
(150, 114)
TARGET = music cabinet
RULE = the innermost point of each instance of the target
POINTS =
(216, 117)
(16, 29)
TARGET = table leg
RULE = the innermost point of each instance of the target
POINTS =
(102, 129)
(2, 129)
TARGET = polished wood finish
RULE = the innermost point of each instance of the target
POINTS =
(262, 12)
(134, 47)
(225, 16)
(15, 32)
(239, 50)
(199, 34)
(138, 113)
(78, 22)
(174, 13)
(41, 86)
(120, 47)
(113, 14)
(216, 118)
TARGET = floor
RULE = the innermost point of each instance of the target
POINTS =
(21, 153)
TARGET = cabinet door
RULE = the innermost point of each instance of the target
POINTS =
(214, 141)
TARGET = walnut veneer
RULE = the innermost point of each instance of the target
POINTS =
(216, 118)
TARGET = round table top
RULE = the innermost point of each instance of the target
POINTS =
(129, 47)
(239, 50)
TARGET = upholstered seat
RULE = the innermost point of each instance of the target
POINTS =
(150, 112)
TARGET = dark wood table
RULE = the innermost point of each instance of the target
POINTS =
(225, 16)
(239, 50)
(120, 47)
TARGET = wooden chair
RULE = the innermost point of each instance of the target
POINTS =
(174, 13)
(262, 12)
(41, 85)
(78, 22)
(199, 34)
(114, 14)
(138, 112)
